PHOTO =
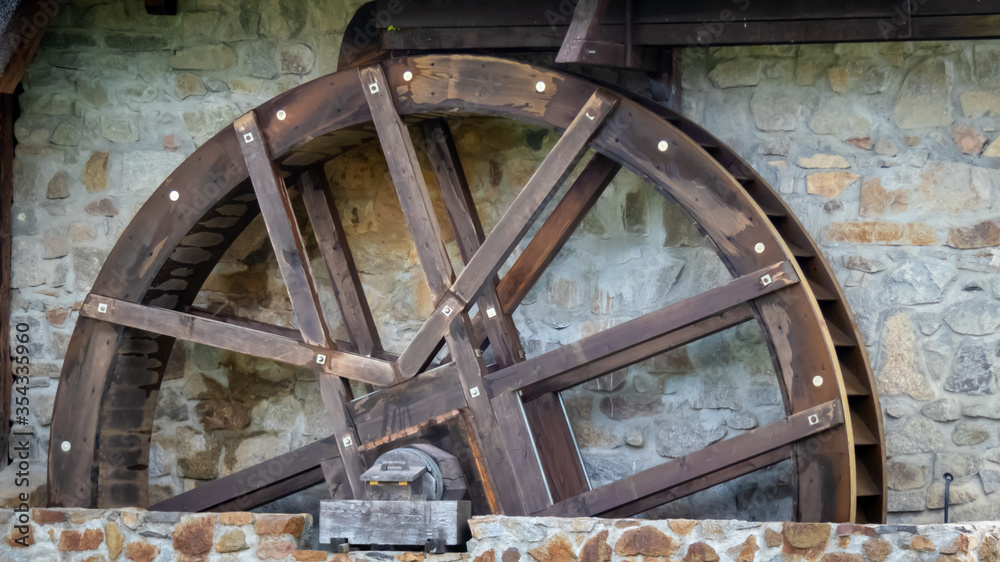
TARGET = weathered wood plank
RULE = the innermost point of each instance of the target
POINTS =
(408, 179)
(8, 105)
(347, 287)
(410, 523)
(334, 397)
(556, 230)
(237, 338)
(276, 208)
(705, 461)
(556, 446)
(520, 446)
(526, 207)
(637, 331)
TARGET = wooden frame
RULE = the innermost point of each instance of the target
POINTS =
(732, 205)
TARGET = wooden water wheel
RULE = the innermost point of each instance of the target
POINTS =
(525, 458)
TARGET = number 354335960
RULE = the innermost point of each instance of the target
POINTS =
(19, 358)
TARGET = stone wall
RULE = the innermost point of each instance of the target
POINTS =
(883, 151)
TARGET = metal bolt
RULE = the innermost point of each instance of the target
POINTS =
(65, 446)
(174, 195)
(817, 381)
(248, 138)
(447, 310)
(407, 76)
(321, 359)
(663, 146)
(540, 86)
(766, 280)
(521, 353)
(373, 87)
(474, 392)
(479, 353)
(813, 419)
(759, 247)
(102, 307)
(281, 115)
(491, 312)
(347, 441)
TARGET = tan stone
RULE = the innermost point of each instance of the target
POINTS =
(47, 516)
(838, 78)
(922, 543)
(409, 557)
(864, 143)
(961, 544)
(57, 317)
(968, 139)
(96, 558)
(823, 161)
(276, 524)
(985, 234)
(841, 557)
(876, 200)
(188, 84)
(978, 103)
(772, 538)
(74, 541)
(232, 540)
(830, 184)
(951, 188)
(95, 173)
(596, 549)
(141, 551)
(115, 540)
(749, 550)
(701, 552)
(647, 541)
(194, 536)
(912, 141)
(235, 518)
(310, 555)
(17, 540)
(275, 549)
(488, 556)
(557, 549)
(883, 233)
(682, 526)
(877, 550)
(899, 373)
(105, 207)
(82, 232)
(993, 150)
(806, 535)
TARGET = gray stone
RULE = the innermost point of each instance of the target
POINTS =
(42, 406)
(239, 26)
(989, 409)
(281, 18)
(611, 382)
(902, 475)
(25, 222)
(969, 433)
(87, 263)
(634, 437)
(990, 478)
(738, 72)
(861, 263)
(297, 59)
(686, 436)
(714, 395)
(262, 60)
(777, 109)
(942, 410)
(119, 128)
(868, 77)
(55, 244)
(780, 146)
(605, 466)
(171, 405)
(135, 42)
(66, 134)
(913, 434)
(918, 281)
(924, 99)
(58, 187)
(960, 465)
(144, 170)
(837, 116)
(742, 420)
(959, 494)
(906, 501)
(281, 414)
(628, 407)
(205, 57)
(886, 147)
(987, 64)
(187, 84)
(973, 371)
(974, 317)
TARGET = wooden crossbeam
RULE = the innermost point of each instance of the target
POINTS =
(283, 230)
(622, 337)
(583, 34)
(616, 496)
(339, 262)
(526, 207)
(237, 338)
(556, 230)
(408, 180)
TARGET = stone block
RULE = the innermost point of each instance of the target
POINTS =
(913, 434)
(924, 99)
(734, 73)
(204, 57)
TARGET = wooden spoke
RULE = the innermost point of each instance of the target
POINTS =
(339, 262)
(409, 181)
(485, 264)
(618, 495)
(583, 31)
(567, 360)
(281, 476)
(556, 230)
(334, 394)
(276, 208)
(237, 338)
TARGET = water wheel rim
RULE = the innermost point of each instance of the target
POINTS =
(208, 182)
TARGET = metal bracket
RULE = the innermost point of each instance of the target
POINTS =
(102, 307)
(321, 359)
(766, 280)
(373, 87)
(447, 310)
(248, 138)
(813, 419)
(491, 312)
(347, 441)
(474, 392)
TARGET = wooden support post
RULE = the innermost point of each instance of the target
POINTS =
(8, 105)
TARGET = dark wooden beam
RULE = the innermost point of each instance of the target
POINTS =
(282, 228)
(8, 107)
(556, 230)
(621, 496)
(566, 365)
(240, 339)
(515, 222)
(414, 198)
(25, 30)
(339, 261)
